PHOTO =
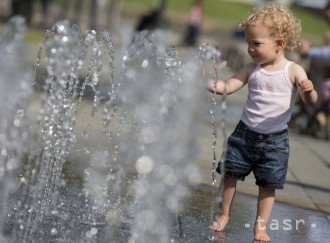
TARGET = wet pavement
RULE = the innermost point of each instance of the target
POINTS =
(300, 212)
(287, 224)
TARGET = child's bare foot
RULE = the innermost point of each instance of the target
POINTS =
(221, 223)
(261, 236)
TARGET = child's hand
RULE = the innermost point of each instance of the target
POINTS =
(307, 91)
(306, 86)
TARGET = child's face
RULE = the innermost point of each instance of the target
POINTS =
(262, 47)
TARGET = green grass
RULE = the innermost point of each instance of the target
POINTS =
(31, 35)
(312, 24)
(34, 35)
(229, 14)
(226, 10)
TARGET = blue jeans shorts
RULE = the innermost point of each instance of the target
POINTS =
(266, 155)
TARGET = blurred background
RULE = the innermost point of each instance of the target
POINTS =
(185, 24)
(220, 17)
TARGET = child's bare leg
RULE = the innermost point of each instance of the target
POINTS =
(266, 200)
(322, 119)
(226, 204)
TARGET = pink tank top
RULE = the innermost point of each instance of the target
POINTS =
(270, 101)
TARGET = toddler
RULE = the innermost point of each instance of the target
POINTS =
(260, 141)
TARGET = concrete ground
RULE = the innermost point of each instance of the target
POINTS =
(288, 223)
(301, 212)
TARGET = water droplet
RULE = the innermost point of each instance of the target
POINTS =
(23, 180)
(93, 231)
(53, 231)
(211, 237)
(144, 165)
(17, 123)
(19, 113)
(145, 63)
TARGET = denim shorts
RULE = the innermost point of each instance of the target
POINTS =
(266, 155)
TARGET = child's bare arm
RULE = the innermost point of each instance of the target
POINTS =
(232, 84)
(304, 85)
(307, 91)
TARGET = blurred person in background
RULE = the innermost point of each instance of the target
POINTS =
(194, 22)
(148, 21)
(45, 7)
(45, 12)
(23, 8)
(319, 72)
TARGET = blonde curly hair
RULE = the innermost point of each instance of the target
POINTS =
(279, 20)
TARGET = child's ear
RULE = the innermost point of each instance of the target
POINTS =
(280, 45)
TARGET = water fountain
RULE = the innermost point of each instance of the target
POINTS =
(120, 173)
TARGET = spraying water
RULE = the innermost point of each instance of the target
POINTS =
(136, 149)
(212, 62)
